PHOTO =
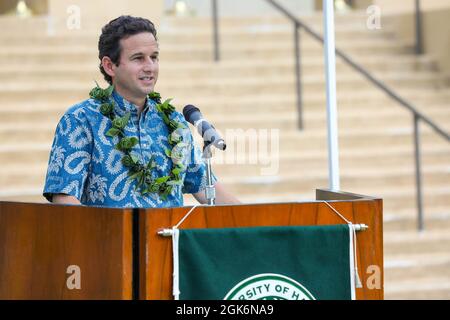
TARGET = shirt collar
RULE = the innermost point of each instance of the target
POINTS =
(123, 106)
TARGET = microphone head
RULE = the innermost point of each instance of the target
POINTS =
(188, 111)
(221, 145)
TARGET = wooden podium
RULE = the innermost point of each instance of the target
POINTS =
(74, 252)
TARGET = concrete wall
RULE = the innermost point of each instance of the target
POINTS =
(435, 27)
(362, 4)
(95, 14)
(395, 7)
(230, 8)
(399, 16)
(7, 5)
(38, 7)
(355, 4)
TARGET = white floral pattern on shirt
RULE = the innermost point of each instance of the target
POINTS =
(84, 163)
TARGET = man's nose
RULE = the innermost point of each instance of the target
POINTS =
(149, 64)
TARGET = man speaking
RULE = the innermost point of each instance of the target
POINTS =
(125, 146)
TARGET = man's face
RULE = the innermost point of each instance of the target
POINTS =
(137, 73)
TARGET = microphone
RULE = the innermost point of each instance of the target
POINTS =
(209, 134)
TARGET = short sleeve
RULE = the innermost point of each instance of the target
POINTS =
(195, 179)
(70, 158)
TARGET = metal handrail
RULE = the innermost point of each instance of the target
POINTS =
(417, 115)
(418, 26)
(363, 71)
(216, 37)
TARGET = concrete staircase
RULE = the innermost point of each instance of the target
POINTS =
(252, 89)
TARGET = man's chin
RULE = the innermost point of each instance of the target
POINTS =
(147, 90)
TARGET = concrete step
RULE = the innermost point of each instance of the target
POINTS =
(254, 161)
(263, 33)
(310, 82)
(313, 106)
(199, 41)
(394, 199)
(347, 20)
(87, 72)
(45, 40)
(400, 268)
(289, 185)
(37, 26)
(390, 120)
(282, 106)
(189, 39)
(277, 86)
(240, 178)
(235, 42)
(314, 139)
(285, 84)
(433, 194)
(197, 53)
(393, 120)
(266, 167)
(269, 169)
(26, 153)
(244, 113)
(354, 181)
(360, 97)
(283, 164)
(431, 243)
(406, 219)
(30, 194)
(433, 287)
(236, 68)
(295, 162)
(425, 268)
(69, 96)
(15, 26)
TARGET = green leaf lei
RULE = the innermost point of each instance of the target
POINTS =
(138, 171)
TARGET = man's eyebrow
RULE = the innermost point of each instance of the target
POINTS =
(136, 54)
(141, 54)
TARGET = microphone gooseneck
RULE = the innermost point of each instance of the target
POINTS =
(209, 134)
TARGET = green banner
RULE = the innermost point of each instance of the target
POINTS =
(263, 263)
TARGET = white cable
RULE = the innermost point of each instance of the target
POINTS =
(340, 215)
(352, 264)
(184, 218)
(358, 283)
(176, 268)
(175, 233)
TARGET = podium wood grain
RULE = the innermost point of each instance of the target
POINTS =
(39, 241)
(156, 251)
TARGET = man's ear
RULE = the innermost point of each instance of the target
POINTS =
(107, 65)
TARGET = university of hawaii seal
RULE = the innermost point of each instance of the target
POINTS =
(269, 286)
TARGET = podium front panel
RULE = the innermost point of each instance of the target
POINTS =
(65, 252)
(156, 251)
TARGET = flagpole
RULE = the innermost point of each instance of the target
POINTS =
(330, 69)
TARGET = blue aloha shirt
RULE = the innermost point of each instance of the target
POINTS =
(84, 163)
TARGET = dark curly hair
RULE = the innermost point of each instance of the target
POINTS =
(117, 29)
